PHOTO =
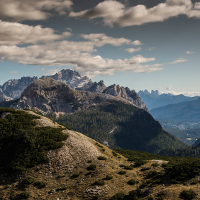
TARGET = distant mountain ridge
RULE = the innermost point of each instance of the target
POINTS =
(188, 111)
(13, 89)
(154, 99)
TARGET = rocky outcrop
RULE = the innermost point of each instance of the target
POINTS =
(47, 95)
(94, 87)
(3, 97)
(130, 95)
(71, 77)
(14, 88)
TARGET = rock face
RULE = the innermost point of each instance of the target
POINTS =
(3, 97)
(14, 88)
(94, 87)
(130, 95)
(71, 77)
(48, 95)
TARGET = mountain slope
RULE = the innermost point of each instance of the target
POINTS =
(182, 112)
(80, 168)
(155, 100)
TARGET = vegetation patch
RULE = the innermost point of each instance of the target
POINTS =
(91, 167)
(131, 182)
(122, 172)
(99, 182)
(118, 196)
(108, 177)
(22, 145)
(188, 194)
(102, 158)
(40, 184)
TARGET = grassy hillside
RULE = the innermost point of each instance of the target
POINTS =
(121, 126)
(22, 144)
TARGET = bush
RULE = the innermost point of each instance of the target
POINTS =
(131, 182)
(89, 161)
(25, 195)
(161, 197)
(91, 167)
(150, 198)
(118, 196)
(61, 189)
(99, 182)
(140, 162)
(40, 184)
(194, 182)
(75, 175)
(95, 197)
(128, 167)
(115, 154)
(102, 158)
(155, 165)
(145, 168)
(134, 194)
(122, 172)
(122, 165)
(108, 177)
(188, 194)
(29, 180)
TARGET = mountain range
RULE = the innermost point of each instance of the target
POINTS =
(154, 99)
(13, 89)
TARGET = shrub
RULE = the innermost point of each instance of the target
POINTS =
(143, 185)
(91, 167)
(99, 182)
(140, 162)
(155, 165)
(122, 172)
(118, 196)
(95, 197)
(131, 182)
(25, 195)
(108, 177)
(75, 175)
(128, 167)
(153, 173)
(40, 184)
(145, 168)
(103, 150)
(150, 198)
(102, 158)
(89, 161)
(7, 186)
(194, 182)
(61, 189)
(114, 154)
(188, 194)
(29, 180)
(134, 194)
(161, 197)
(122, 165)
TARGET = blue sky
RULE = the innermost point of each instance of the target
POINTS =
(146, 45)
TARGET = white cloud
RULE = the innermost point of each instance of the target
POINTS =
(189, 52)
(100, 39)
(169, 87)
(69, 29)
(132, 50)
(78, 54)
(114, 12)
(13, 72)
(189, 94)
(20, 10)
(180, 60)
(50, 71)
(12, 33)
(150, 49)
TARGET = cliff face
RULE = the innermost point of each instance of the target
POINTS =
(48, 95)
(4, 98)
(130, 95)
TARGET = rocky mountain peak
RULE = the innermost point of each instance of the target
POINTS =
(49, 95)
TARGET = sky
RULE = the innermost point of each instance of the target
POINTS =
(144, 44)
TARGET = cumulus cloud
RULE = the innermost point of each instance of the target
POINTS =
(189, 52)
(180, 60)
(20, 10)
(115, 12)
(77, 54)
(12, 33)
(13, 72)
(132, 50)
(100, 39)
